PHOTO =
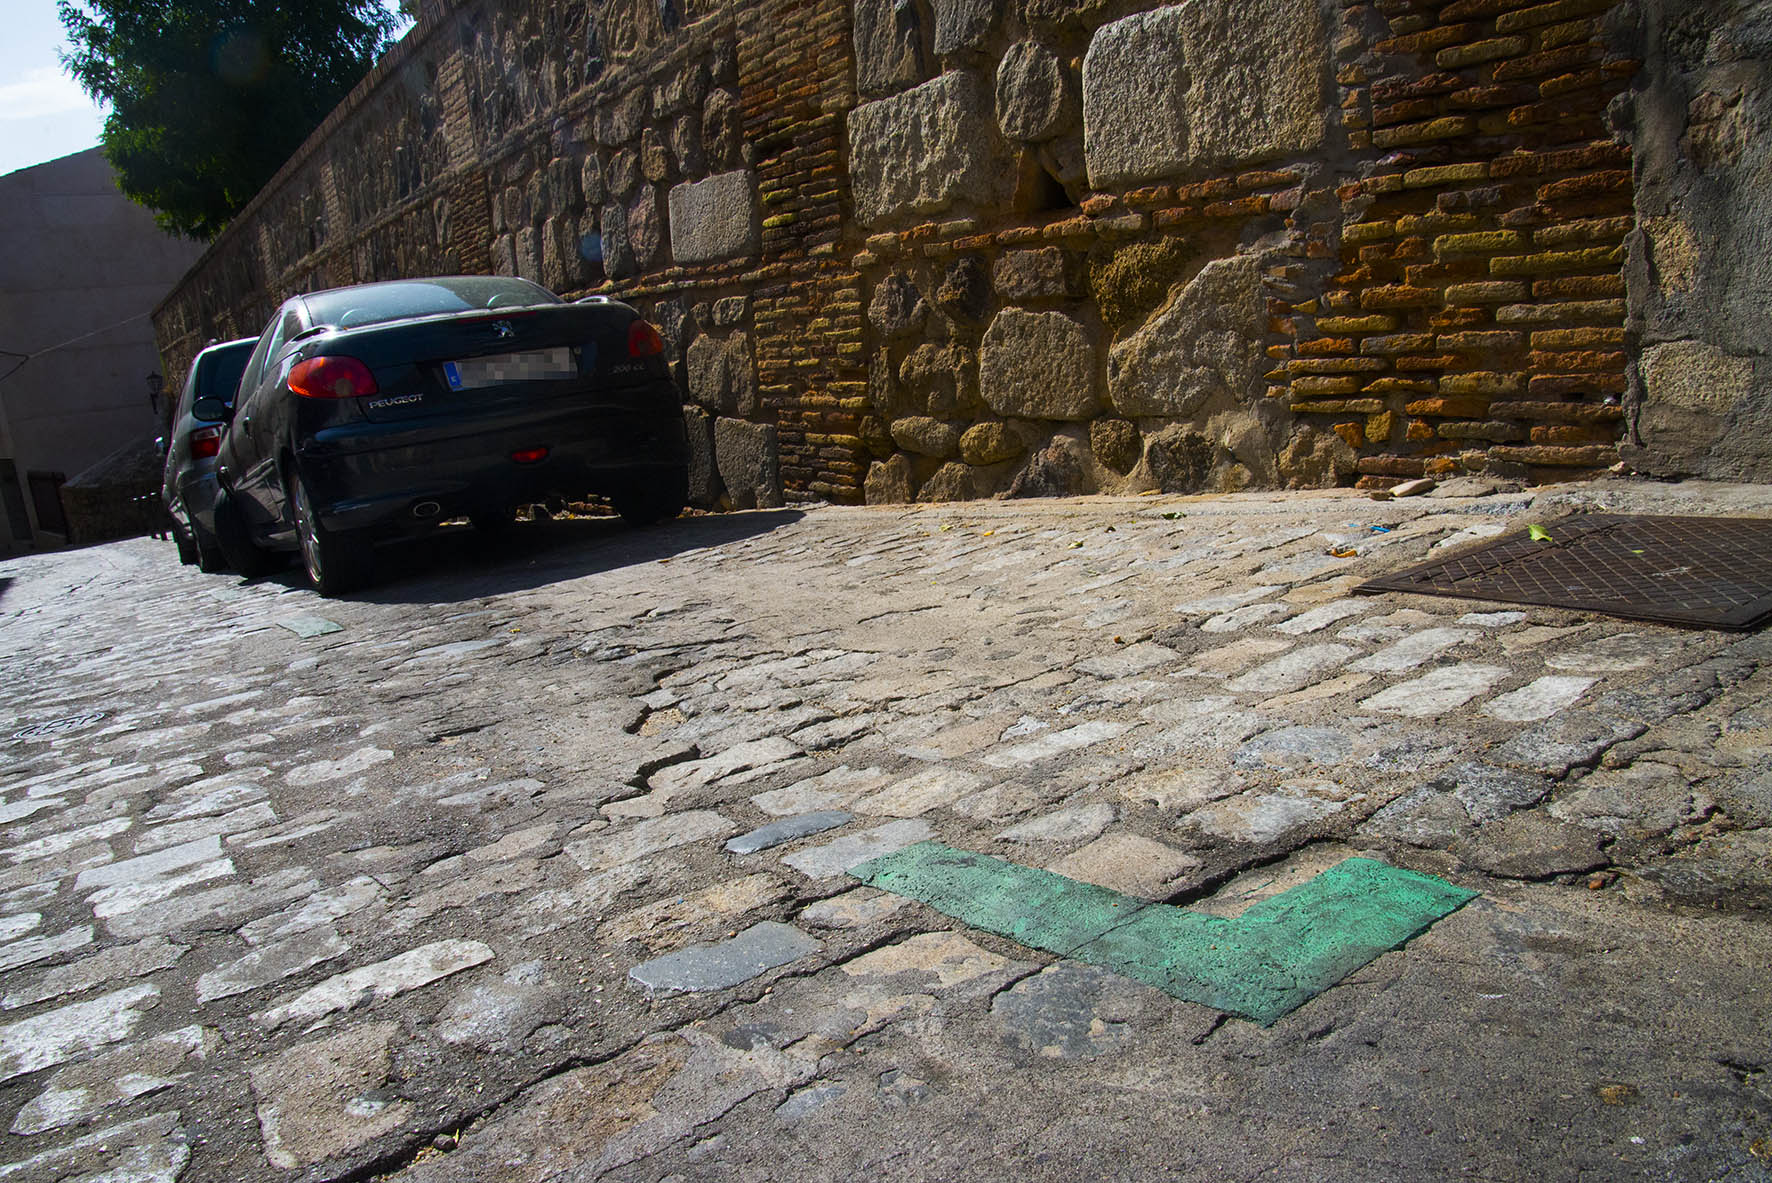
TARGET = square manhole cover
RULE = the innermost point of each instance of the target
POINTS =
(1700, 572)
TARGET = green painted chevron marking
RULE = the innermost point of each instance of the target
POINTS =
(1276, 956)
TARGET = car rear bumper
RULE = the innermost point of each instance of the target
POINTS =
(197, 491)
(396, 478)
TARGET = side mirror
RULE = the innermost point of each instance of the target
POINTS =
(160, 446)
(214, 410)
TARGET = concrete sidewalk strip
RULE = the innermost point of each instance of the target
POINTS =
(1261, 965)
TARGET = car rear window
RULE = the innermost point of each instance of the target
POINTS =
(375, 303)
(219, 376)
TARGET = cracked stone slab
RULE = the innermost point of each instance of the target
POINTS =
(153, 1149)
(758, 949)
(319, 1099)
(108, 965)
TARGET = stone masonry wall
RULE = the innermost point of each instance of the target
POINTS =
(1240, 242)
(943, 249)
(1700, 395)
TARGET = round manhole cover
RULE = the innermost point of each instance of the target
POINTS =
(58, 726)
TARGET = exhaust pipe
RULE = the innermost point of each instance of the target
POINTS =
(426, 509)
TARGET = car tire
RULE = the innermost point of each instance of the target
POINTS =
(235, 541)
(335, 562)
(187, 546)
(652, 502)
(210, 559)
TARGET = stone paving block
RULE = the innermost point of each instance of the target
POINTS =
(272, 963)
(1078, 823)
(1261, 818)
(319, 1099)
(108, 965)
(788, 829)
(78, 1092)
(1436, 693)
(1539, 699)
(662, 924)
(757, 949)
(34, 949)
(1292, 670)
(1565, 740)
(1124, 663)
(834, 858)
(384, 979)
(1128, 864)
(852, 909)
(1412, 651)
(1057, 743)
(919, 794)
(307, 627)
(828, 790)
(610, 849)
(56, 1036)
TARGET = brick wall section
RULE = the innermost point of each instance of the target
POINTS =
(797, 81)
(1477, 318)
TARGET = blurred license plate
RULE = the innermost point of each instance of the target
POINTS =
(535, 366)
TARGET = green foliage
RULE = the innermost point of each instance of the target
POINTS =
(208, 98)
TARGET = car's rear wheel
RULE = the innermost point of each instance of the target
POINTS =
(187, 546)
(210, 559)
(235, 540)
(336, 563)
(643, 503)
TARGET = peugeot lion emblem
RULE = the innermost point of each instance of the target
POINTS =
(502, 329)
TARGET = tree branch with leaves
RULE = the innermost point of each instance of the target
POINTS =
(208, 98)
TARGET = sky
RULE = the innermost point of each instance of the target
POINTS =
(44, 115)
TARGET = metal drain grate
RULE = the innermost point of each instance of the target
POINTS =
(1701, 572)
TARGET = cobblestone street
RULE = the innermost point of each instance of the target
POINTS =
(530, 863)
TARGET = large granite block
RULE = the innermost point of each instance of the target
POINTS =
(1203, 85)
(1038, 365)
(924, 150)
(714, 219)
(1206, 342)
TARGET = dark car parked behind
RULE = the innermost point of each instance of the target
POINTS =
(377, 411)
(188, 485)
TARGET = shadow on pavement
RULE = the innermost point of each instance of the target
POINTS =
(457, 563)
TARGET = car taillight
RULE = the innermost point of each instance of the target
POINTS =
(643, 340)
(204, 442)
(332, 377)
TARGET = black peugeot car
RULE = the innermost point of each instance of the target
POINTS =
(374, 412)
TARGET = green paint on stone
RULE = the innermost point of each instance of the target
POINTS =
(1276, 956)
